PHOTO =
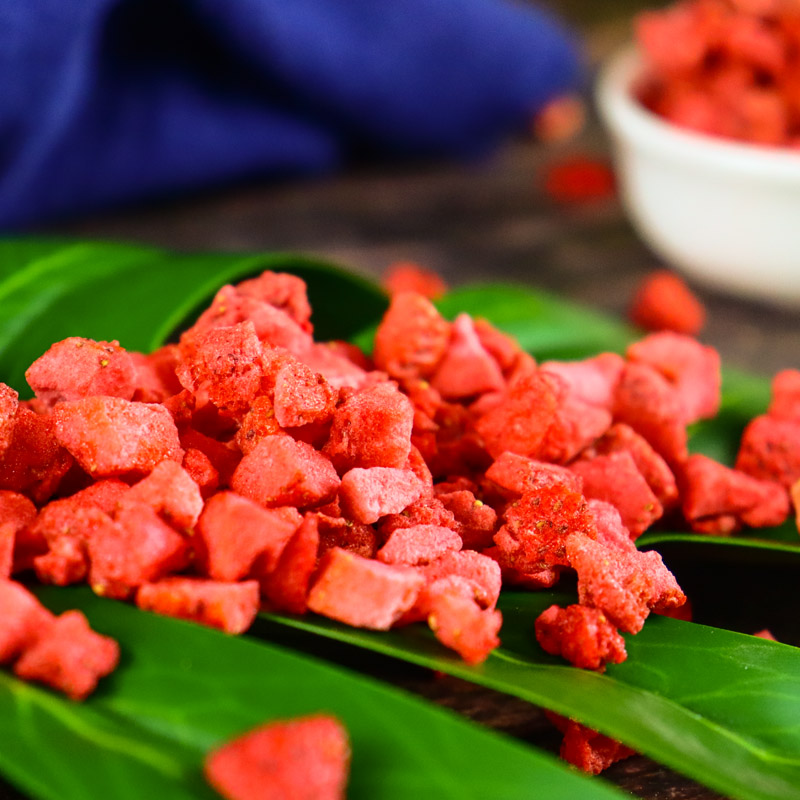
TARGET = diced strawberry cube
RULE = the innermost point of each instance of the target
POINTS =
(477, 521)
(171, 492)
(362, 592)
(69, 656)
(462, 625)
(419, 544)
(592, 380)
(302, 396)
(301, 759)
(770, 450)
(366, 495)
(231, 607)
(23, 620)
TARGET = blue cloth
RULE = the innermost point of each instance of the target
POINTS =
(108, 101)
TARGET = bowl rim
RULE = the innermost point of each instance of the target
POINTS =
(632, 122)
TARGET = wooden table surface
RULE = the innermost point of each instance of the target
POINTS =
(487, 220)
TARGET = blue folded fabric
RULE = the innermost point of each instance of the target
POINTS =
(109, 101)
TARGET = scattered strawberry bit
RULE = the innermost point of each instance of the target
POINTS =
(587, 749)
(765, 633)
(663, 302)
(578, 180)
(406, 276)
(307, 758)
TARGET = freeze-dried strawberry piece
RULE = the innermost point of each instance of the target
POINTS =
(587, 749)
(170, 491)
(770, 450)
(258, 423)
(462, 625)
(467, 368)
(23, 620)
(520, 423)
(576, 426)
(649, 404)
(78, 367)
(480, 572)
(371, 428)
(18, 545)
(362, 592)
(139, 548)
(407, 276)
(711, 489)
(419, 544)
(280, 471)
(591, 380)
(785, 401)
(519, 474)
(9, 401)
(336, 366)
(111, 437)
(34, 461)
(692, 368)
(339, 532)
(273, 326)
(366, 495)
(106, 494)
(537, 527)
(580, 634)
(302, 397)
(233, 531)
(231, 607)
(67, 526)
(616, 479)
(503, 348)
(224, 364)
(579, 179)
(654, 469)
(199, 468)
(477, 521)
(663, 302)
(428, 510)
(282, 291)
(286, 587)
(611, 530)
(624, 585)
(412, 337)
(156, 380)
(69, 656)
(307, 758)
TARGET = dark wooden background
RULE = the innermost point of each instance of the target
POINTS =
(478, 221)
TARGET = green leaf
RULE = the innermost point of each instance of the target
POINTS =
(720, 707)
(141, 296)
(181, 689)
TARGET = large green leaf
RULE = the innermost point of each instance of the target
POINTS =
(718, 706)
(182, 689)
(140, 295)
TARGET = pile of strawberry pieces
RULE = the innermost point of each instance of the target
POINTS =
(248, 466)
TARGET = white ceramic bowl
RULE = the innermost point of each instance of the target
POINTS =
(725, 213)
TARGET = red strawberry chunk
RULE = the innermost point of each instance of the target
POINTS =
(286, 587)
(587, 749)
(428, 510)
(625, 586)
(785, 402)
(592, 380)
(411, 339)
(467, 368)
(611, 531)
(462, 625)
(225, 364)
(231, 607)
(23, 620)
(258, 423)
(280, 471)
(419, 544)
(340, 532)
(330, 361)
(649, 404)
(712, 490)
(576, 426)
(479, 572)
(34, 462)
(139, 548)
(110, 437)
(518, 474)
(233, 532)
(69, 656)
(106, 494)
(283, 291)
(302, 396)
(503, 348)
(9, 402)
(770, 450)
(692, 368)
(663, 302)
(366, 495)
(302, 759)
(171, 492)
(371, 428)
(616, 479)
(155, 375)
(520, 423)
(477, 521)
(77, 367)
(199, 468)
(580, 634)
(406, 276)
(362, 592)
